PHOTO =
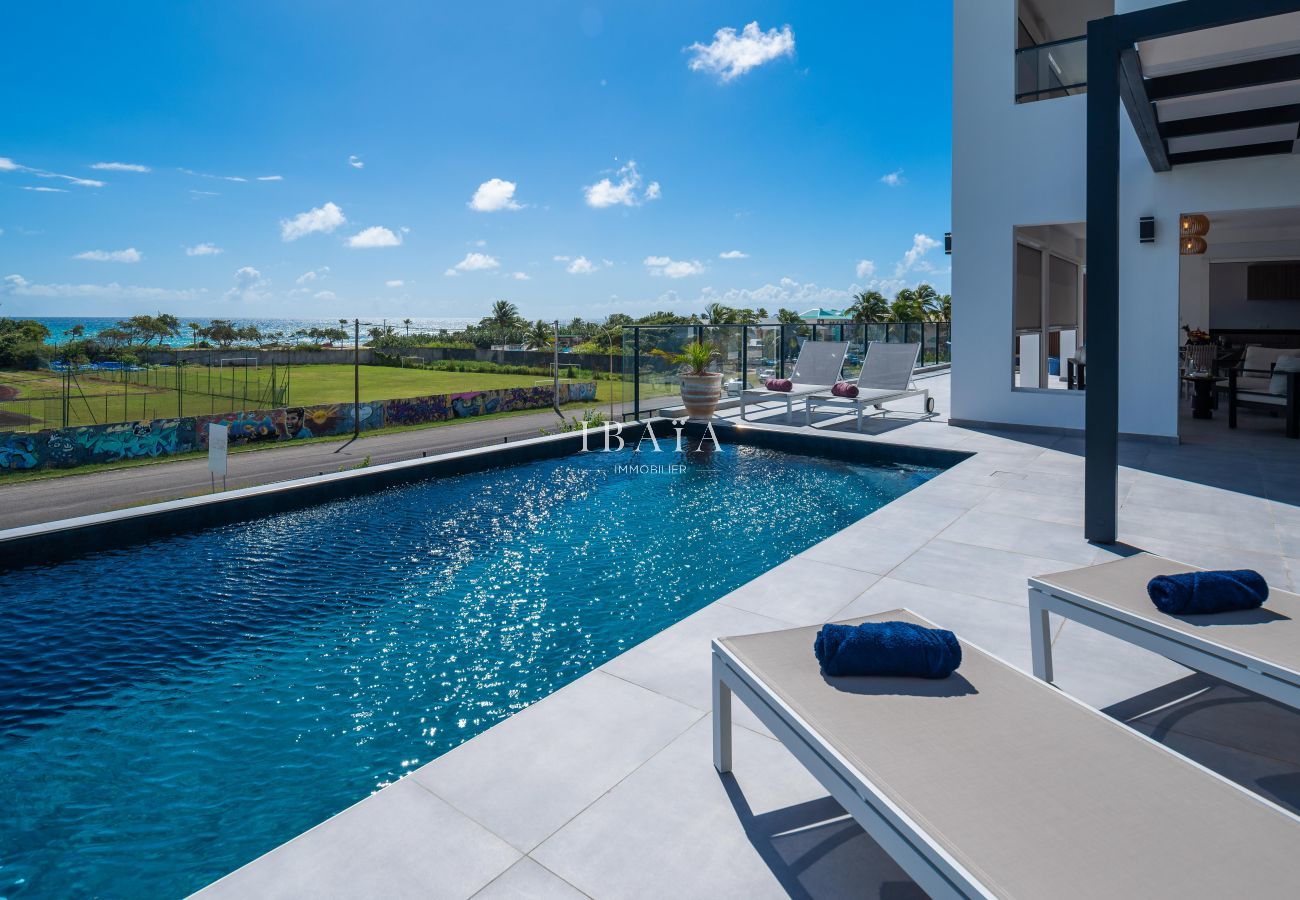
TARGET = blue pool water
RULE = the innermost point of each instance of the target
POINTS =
(170, 711)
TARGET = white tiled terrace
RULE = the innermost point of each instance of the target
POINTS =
(607, 789)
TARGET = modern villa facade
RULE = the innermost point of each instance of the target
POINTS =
(1220, 118)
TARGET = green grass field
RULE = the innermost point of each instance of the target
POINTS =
(33, 400)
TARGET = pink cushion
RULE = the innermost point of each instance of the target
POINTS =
(844, 389)
(780, 384)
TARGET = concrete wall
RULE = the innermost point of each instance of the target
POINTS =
(1025, 165)
(70, 447)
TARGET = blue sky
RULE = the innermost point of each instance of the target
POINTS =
(323, 158)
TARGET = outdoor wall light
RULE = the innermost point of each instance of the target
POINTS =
(947, 243)
(1193, 245)
(1147, 230)
(1195, 225)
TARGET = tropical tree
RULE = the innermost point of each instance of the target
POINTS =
(541, 334)
(788, 317)
(944, 308)
(869, 306)
(407, 323)
(906, 307)
(194, 330)
(719, 314)
(504, 315)
(927, 298)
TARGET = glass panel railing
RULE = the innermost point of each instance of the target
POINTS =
(1058, 69)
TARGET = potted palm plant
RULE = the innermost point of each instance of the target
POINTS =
(701, 389)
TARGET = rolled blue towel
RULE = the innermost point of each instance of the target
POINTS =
(887, 648)
(1197, 593)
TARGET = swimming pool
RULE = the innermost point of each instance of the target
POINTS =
(171, 710)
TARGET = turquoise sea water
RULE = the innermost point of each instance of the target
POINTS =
(59, 325)
(170, 711)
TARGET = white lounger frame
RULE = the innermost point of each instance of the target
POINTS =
(906, 842)
(1256, 675)
(757, 395)
(859, 404)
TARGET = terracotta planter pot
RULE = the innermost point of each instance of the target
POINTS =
(701, 394)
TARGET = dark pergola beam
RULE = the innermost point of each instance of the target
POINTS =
(1101, 400)
(1142, 113)
(1240, 151)
(1225, 78)
(1233, 121)
(1165, 20)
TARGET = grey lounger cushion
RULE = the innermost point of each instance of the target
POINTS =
(1030, 791)
(1271, 633)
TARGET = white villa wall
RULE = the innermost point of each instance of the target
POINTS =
(1025, 165)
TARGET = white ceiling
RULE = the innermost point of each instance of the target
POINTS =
(1240, 138)
(1212, 47)
(1062, 19)
(1262, 96)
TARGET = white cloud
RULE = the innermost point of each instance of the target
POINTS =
(44, 190)
(374, 236)
(624, 192)
(787, 292)
(270, 178)
(520, 276)
(121, 167)
(8, 165)
(237, 178)
(493, 195)
(249, 286)
(673, 268)
(21, 287)
(580, 266)
(202, 250)
(733, 254)
(314, 274)
(355, 162)
(394, 283)
(324, 295)
(129, 255)
(322, 218)
(913, 259)
(474, 262)
(866, 268)
(730, 55)
(894, 178)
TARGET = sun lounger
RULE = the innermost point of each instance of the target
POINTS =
(990, 783)
(817, 369)
(1257, 649)
(886, 376)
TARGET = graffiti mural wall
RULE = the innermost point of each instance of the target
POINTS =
(68, 447)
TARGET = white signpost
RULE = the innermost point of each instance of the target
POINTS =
(218, 439)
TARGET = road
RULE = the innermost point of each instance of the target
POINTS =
(32, 502)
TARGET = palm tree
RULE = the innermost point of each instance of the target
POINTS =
(504, 315)
(540, 335)
(944, 309)
(869, 306)
(788, 317)
(719, 314)
(407, 323)
(927, 299)
(194, 330)
(905, 308)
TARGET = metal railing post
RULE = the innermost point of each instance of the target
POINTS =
(744, 357)
(636, 372)
(780, 359)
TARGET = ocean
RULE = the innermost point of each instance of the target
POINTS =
(60, 325)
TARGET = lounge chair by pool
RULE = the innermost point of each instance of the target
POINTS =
(817, 369)
(886, 376)
(991, 783)
(1257, 649)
